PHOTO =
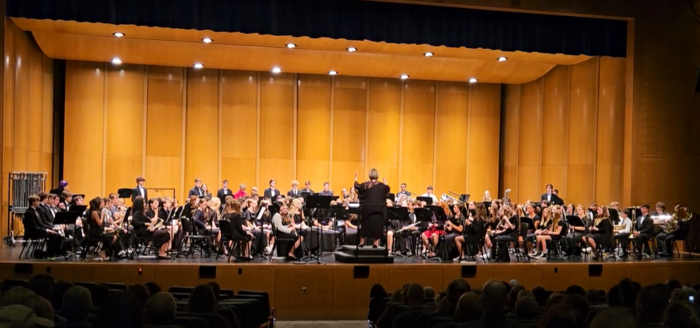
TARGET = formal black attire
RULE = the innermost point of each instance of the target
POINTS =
(330, 193)
(45, 215)
(294, 193)
(222, 193)
(139, 191)
(603, 235)
(195, 192)
(237, 223)
(97, 232)
(552, 199)
(473, 233)
(271, 193)
(34, 228)
(139, 220)
(645, 226)
(372, 196)
(502, 239)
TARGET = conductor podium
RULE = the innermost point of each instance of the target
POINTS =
(367, 254)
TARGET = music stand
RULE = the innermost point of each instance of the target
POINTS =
(424, 216)
(78, 209)
(464, 198)
(124, 193)
(68, 218)
(530, 223)
(427, 200)
(317, 202)
(441, 218)
(399, 214)
(390, 196)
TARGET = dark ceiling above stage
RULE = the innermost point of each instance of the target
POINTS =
(351, 20)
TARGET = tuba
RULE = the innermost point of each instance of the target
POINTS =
(682, 216)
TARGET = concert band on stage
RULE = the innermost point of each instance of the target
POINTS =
(450, 227)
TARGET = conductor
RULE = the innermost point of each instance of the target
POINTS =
(372, 196)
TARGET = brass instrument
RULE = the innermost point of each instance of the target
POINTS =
(682, 216)
(506, 200)
(634, 221)
(158, 225)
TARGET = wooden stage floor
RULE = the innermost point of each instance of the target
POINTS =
(341, 291)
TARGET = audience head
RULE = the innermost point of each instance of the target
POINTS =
(377, 291)
(650, 305)
(153, 288)
(414, 295)
(674, 284)
(59, 289)
(42, 308)
(526, 308)
(680, 315)
(578, 303)
(468, 307)
(555, 299)
(160, 309)
(202, 300)
(593, 296)
(679, 295)
(494, 297)
(525, 293)
(456, 289)
(16, 295)
(576, 290)
(215, 288)
(428, 292)
(121, 309)
(614, 298)
(99, 294)
(18, 315)
(541, 295)
(628, 292)
(513, 295)
(562, 315)
(42, 285)
(396, 296)
(141, 292)
(77, 305)
(618, 317)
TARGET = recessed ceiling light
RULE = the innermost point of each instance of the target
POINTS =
(198, 65)
(352, 49)
(118, 34)
(207, 40)
(473, 80)
(404, 76)
(276, 70)
(332, 73)
(116, 61)
(291, 45)
(502, 59)
(428, 54)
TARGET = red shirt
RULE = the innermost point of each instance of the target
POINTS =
(239, 194)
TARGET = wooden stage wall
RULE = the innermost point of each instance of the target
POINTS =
(567, 128)
(172, 125)
(332, 292)
(27, 111)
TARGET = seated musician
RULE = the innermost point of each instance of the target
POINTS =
(284, 224)
(531, 213)
(555, 229)
(295, 208)
(474, 231)
(34, 228)
(351, 230)
(207, 221)
(112, 224)
(454, 226)
(661, 218)
(570, 209)
(505, 232)
(238, 226)
(145, 226)
(265, 225)
(432, 233)
(96, 228)
(543, 227)
(676, 229)
(622, 230)
(644, 230)
(326, 190)
(66, 198)
(403, 230)
(575, 233)
(600, 231)
(167, 214)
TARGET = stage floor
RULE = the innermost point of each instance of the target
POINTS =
(301, 291)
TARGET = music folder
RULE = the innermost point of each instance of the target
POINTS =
(574, 221)
(66, 217)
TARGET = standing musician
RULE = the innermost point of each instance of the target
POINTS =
(487, 196)
(241, 192)
(145, 227)
(139, 190)
(644, 230)
(600, 231)
(551, 197)
(205, 191)
(326, 190)
(474, 230)
(197, 189)
(271, 192)
(372, 196)
(96, 228)
(307, 187)
(294, 192)
(283, 222)
(224, 191)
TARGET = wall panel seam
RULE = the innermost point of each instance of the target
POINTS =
(367, 104)
(296, 127)
(597, 117)
(469, 124)
(401, 103)
(145, 120)
(221, 124)
(330, 154)
(183, 131)
(104, 128)
(257, 131)
(435, 133)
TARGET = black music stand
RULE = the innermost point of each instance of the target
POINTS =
(441, 218)
(68, 218)
(124, 193)
(574, 221)
(530, 223)
(399, 214)
(427, 200)
(318, 203)
(464, 198)
(390, 196)
(424, 216)
(337, 212)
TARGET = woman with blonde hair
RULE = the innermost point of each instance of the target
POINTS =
(553, 229)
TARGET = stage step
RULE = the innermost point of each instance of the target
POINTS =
(365, 254)
(369, 259)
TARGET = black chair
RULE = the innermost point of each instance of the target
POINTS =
(226, 236)
(192, 238)
(277, 241)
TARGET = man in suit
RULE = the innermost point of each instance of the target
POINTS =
(326, 190)
(644, 229)
(551, 197)
(223, 192)
(43, 209)
(271, 192)
(139, 190)
(295, 192)
(35, 227)
(197, 189)
(307, 187)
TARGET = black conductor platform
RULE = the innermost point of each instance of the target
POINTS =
(367, 254)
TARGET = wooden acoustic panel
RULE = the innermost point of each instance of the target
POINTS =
(451, 137)
(239, 116)
(313, 129)
(383, 128)
(417, 134)
(349, 129)
(173, 47)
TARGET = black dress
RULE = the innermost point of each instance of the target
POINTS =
(372, 207)
(237, 226)
(603, 235)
